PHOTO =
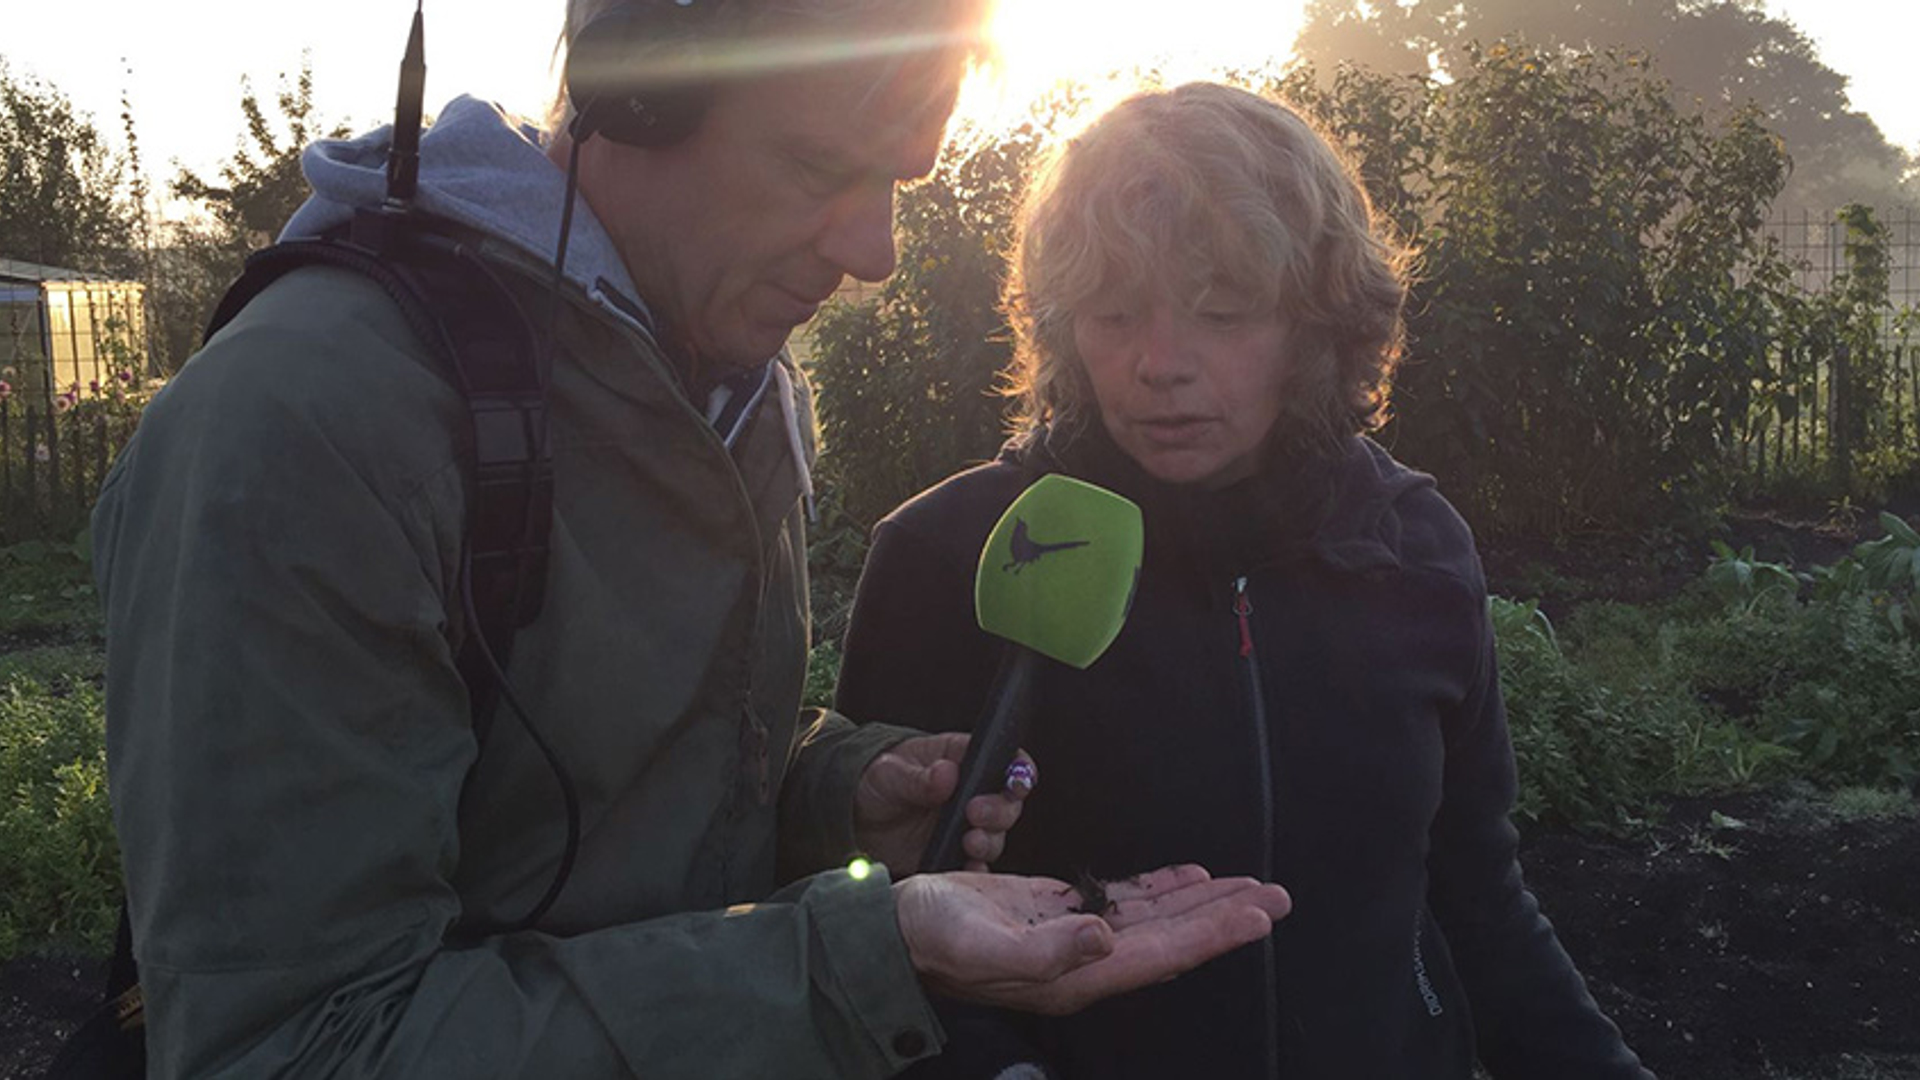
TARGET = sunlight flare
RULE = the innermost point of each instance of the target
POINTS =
(1107, 45)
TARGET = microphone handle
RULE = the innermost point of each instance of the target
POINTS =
(996, 738)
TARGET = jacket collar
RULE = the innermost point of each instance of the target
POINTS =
(1337, 508)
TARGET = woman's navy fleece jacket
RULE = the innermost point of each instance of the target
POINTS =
(1305, 691)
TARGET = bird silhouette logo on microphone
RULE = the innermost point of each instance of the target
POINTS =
(1027, 551)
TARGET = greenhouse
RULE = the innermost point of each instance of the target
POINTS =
(63, 330)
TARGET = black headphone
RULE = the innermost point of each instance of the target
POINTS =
(615, 97)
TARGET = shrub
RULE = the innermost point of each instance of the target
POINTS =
(1849, 697)
(59, 863)
(1599, 743)
(45, 586)
(823, 672)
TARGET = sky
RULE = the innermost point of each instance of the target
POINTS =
(181, 64)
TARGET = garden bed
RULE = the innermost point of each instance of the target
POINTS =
(1766, 935)
(1777, 941)
(1749, 937)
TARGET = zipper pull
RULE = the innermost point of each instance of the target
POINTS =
(1243, 607)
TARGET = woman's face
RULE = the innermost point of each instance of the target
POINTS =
(1190, 391)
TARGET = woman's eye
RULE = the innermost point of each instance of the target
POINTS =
(1223, 317)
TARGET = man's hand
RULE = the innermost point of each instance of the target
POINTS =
(1026, 942)
(902, 791)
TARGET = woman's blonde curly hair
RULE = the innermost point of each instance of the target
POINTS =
(1202, 186)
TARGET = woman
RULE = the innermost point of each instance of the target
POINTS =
(1207, 315)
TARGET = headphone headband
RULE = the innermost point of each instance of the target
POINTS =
(633, 74)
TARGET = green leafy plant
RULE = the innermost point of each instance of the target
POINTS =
(47, 587)
(1593, 754)
(1752, 678)
(1741, 579)
(59, 863)
(1889, 568)
(1834, 674)
(823, 672)
(1581, 235)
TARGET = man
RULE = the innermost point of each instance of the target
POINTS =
(325, 859)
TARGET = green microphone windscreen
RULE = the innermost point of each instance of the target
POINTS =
(1058, 573)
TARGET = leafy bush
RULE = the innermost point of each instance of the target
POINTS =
(53, 459)
(1830, 668)
(1599, 743)
(1848, 698)
(1760, 673)
(836, 550)
(46, 586)
(1593, 277)
(59, 863)
(823, 671)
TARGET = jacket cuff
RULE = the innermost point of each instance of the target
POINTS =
(867, 965)
(816, 812)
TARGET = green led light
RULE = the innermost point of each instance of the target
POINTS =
(858, 869)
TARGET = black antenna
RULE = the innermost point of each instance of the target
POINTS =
(403, 159)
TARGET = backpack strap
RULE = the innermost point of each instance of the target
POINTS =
(478, 331)
(459, 306)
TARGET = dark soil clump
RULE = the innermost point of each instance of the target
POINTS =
(42, 999)
(1771, 941)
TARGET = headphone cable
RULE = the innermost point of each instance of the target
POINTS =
(569, 794)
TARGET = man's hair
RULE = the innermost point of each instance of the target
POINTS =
(772, 34)
(1205, 186)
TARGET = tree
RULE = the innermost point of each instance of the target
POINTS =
(1588, 326)
(63, 197)
(261, 183)
(260, 187)
(191, 270)
(1726, 54)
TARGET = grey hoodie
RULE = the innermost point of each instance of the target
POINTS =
(479, 168)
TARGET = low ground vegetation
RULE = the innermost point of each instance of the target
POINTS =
(1755, 673)
(1679, 752)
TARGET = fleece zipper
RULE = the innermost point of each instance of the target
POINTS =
(1249, 663)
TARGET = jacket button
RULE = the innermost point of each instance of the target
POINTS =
(910, 1043)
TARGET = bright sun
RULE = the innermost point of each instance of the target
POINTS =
(1041, 43)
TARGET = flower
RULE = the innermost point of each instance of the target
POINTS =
(41, 453)
(93, 386)
(6, 389)
(62, 403)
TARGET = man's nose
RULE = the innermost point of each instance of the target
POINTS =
(858, 238)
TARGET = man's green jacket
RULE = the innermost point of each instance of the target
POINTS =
(307, 814)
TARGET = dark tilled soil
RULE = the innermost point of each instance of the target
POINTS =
(1774, 943)
(1784, 946)
(1785, 950)
(42, 998)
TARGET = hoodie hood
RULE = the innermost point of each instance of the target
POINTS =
(481, 169)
